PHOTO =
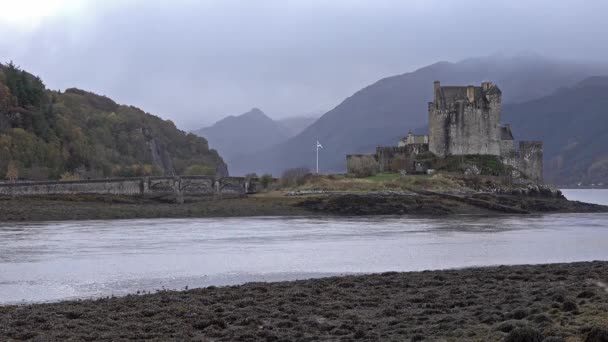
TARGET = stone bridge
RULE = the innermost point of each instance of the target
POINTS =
(178, 186)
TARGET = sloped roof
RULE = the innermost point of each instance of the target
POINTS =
(505, 133)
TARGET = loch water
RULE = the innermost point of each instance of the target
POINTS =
(52, 261)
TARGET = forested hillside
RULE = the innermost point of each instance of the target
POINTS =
(46, 134)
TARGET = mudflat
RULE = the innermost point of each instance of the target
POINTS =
(553, 302)
(104, 207)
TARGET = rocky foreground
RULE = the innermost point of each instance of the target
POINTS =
(555, 302)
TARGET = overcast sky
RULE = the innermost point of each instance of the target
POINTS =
(196, 61)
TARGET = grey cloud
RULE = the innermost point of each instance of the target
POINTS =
(194, 62)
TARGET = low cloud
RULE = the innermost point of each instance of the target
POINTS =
(196, 61)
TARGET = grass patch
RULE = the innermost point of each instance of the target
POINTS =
(384, 177)
(488, 165)
(379, 182)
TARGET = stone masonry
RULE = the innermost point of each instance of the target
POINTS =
(466, 120)
(178, 186)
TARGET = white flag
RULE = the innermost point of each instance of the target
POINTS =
(319, 144)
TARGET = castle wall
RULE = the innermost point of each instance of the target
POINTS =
(185, 185)
(531, 159)
(507, 147)
(473, 130)
(528, 160)
(393, 159)
(460, 125)
(438, 129)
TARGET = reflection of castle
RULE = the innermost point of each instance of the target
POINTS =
(464, 120)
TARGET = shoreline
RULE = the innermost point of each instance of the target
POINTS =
(109, 207)
(563, 300)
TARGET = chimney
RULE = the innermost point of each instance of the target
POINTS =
(471, 93)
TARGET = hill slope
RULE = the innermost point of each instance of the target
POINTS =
(573, 123)
(383, 112)
(45, 134)
(235, 136)
(296, 124)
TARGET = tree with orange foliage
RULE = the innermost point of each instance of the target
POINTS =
(12, 172)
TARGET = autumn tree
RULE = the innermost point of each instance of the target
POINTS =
(12, 172)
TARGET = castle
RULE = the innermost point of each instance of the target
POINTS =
(463, 120)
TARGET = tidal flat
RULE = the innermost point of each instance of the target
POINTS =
(106, 207)
(550, 302)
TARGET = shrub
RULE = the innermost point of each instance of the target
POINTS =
(68, 176)
(12, 173)
(266, 180)
(363, 165)
(199, 170)
(488, 165)
(294, 177)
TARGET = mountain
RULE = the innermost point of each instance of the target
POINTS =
(47, 134)
(381, 113)
(235, 136)
(296, 124)
(573, 124)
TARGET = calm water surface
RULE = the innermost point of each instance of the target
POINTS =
(597, 196)
(60, 260)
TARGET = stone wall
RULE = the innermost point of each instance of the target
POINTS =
(393, 159)
(531, 159)
(507, 147)
(464, 121)
(388, 158)
(528, 160)
(179, 186)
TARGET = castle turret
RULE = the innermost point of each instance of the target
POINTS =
(471, 93)
(437, 93)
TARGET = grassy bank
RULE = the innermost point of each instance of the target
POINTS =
(379, 182)
(561, 302)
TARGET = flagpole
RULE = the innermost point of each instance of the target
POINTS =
(317, 156)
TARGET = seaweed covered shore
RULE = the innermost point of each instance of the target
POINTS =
(106, 207)
(553, 302)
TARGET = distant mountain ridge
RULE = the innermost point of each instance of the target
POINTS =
(237, 136)
(381, 113)
(234, 136)
(573, 124)
(296, 124)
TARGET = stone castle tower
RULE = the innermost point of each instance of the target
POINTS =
(465, 120)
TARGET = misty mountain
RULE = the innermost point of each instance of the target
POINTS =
(573, 123)
(296, 124)
(241, 135)
(381, 113)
